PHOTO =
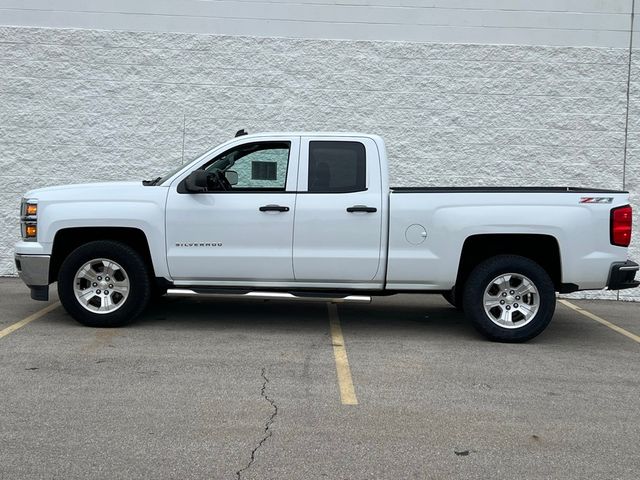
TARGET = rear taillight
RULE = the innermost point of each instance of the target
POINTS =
(621, 219)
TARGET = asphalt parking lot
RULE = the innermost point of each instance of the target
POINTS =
(227, 389)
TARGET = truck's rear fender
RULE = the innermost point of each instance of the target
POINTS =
(542, 249)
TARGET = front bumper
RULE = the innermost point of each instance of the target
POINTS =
(622, 275)
(34, 272)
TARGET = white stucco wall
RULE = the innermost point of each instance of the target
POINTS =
(457, 105)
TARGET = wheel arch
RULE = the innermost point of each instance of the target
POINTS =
(542, 249)
(67, 240)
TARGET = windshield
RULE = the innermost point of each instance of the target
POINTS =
(224, 162)
(167, 176)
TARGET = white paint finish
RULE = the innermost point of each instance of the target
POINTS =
(329, 242)
(83, 205)
(254, 245)
(565, 22)
(582, 233)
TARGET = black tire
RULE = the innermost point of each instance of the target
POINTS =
(132, 264)
(157, 291)
(453, 299)
(481, 278)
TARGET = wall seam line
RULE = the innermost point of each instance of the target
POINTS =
(626, 122)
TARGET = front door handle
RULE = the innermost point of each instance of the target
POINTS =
(273, 208)
(361, 208)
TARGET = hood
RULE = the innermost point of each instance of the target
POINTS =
(91, 191)
(109, 192)
(96, 187)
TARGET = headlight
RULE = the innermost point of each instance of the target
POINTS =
(29, 220)
(32, 209)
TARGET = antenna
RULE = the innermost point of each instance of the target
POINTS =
(241, 132)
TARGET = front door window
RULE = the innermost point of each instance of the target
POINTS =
(260, 166)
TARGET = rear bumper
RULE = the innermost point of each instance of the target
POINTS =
(622, 275)
(34, 272)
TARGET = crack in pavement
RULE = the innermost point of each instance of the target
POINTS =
(267, 426)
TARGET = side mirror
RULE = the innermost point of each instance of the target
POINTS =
(232, 177)
(196, 181)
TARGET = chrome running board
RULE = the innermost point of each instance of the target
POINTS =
(184, 292)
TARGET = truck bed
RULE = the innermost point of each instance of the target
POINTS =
(502, 190)
(425, 230)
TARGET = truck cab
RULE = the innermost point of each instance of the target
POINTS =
(276, 210)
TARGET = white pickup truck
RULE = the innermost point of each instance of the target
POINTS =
(309, 215)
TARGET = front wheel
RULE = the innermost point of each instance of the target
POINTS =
(104, 284)
(509, 298)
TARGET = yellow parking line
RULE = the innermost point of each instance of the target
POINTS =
(604, 322)
(347, 392)
(29, 319)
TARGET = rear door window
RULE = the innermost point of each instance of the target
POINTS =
(336, 167)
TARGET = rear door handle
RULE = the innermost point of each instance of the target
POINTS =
(273, 208)
(361, 208)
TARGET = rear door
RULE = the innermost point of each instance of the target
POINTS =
(338, 219)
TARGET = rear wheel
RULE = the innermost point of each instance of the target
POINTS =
(104, 284)
(509, 298)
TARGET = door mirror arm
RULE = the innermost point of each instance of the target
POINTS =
(196, 182)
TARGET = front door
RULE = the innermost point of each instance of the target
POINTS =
(239, 231)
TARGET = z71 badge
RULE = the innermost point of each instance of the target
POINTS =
(596, 200)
